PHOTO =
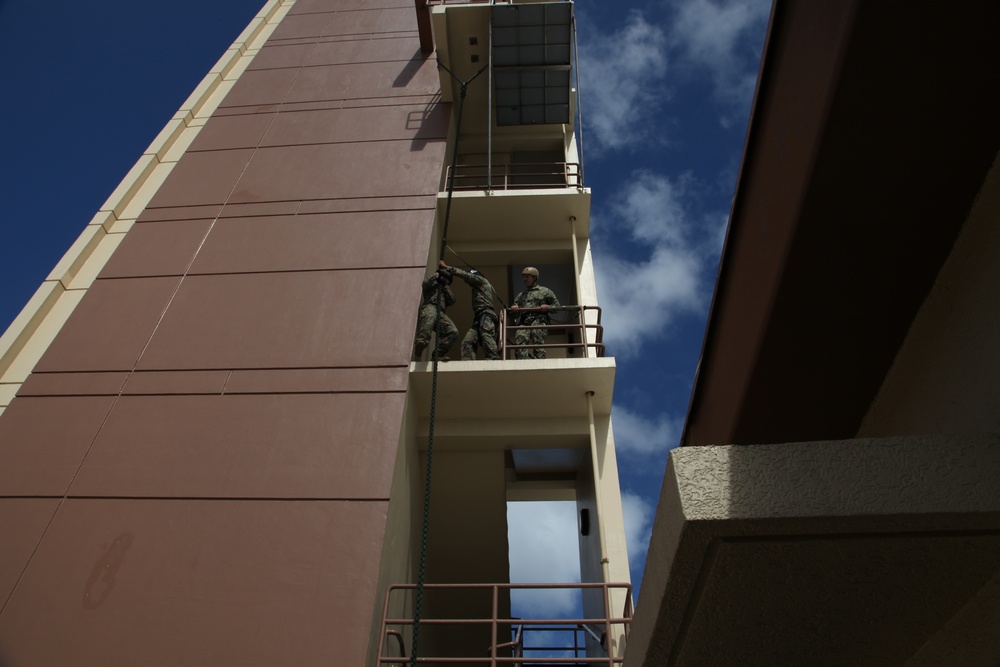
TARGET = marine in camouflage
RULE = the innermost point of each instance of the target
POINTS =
(447, 332)
(533, 297)
(484, 318)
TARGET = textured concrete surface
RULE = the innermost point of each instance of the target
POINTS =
(823, 553)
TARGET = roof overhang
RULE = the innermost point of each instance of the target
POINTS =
(873, 128)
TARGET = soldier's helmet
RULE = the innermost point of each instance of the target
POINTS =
(530, 271)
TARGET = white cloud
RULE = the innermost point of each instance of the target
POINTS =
(625, 72)
(638, 513)
(636, 435)
(544, 548)
(641, 297)
(722, 37)
(622, 73)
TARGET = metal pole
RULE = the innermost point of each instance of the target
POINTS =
(576, 278)
(597, 487)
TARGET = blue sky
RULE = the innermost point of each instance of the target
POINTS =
(666, 85)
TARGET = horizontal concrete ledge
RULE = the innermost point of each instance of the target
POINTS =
(863, 478)
(522, 389)
(860, 551)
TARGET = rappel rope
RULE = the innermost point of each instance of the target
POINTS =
(421, 571)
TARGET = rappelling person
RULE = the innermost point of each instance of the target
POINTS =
(447, 332)
(534, 296)
(484, 318)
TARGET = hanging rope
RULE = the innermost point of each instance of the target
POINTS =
(439, 298)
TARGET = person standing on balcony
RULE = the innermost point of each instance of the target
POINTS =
(534, 296)
(484, 318)
(436, 288)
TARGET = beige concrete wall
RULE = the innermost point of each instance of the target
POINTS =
(467, 544)
(400, 550)
(821, 552)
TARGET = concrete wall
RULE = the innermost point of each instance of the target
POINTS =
(198, 469)
(467, 544)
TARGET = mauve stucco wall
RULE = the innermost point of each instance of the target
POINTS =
(198, 470)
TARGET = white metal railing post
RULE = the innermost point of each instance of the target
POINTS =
(576, 285)
(493, 626)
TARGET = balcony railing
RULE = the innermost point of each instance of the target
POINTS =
(509, 643)
(589, 335)
(526, 176)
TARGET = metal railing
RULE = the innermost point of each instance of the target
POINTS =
(508, 331)
(523, 176)
(508, 645)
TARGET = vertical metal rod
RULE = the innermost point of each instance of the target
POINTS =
(597, 487)
(576, 278)
(496, 611)
(608, 640)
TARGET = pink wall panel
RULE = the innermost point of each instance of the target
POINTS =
(22, 523)
(400, 121)
(202, 178)
(74, 384)
(197, 583)
(206, 212)
(176, 382)
(44, 440)
(295, 26)
(309, 242)
(245, 446)
(309, 6)
(333, 171)
(280, 56)
(364, 21)
(348, 5)
(365, 80)
(110, 327)
(365, 51)
(157, 249)
(224, 132)
(310, 319)
(304, 380)
(260, 87)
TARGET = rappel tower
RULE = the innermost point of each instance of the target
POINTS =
(216, 446)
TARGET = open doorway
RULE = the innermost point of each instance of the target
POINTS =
(544, 548)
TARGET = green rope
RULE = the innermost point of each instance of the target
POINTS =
(422, 569)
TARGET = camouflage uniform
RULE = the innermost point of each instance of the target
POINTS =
(484, 318)
(447, 332)
(533, 297)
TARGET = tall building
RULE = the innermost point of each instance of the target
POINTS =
(835, 498)
(214, 440)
